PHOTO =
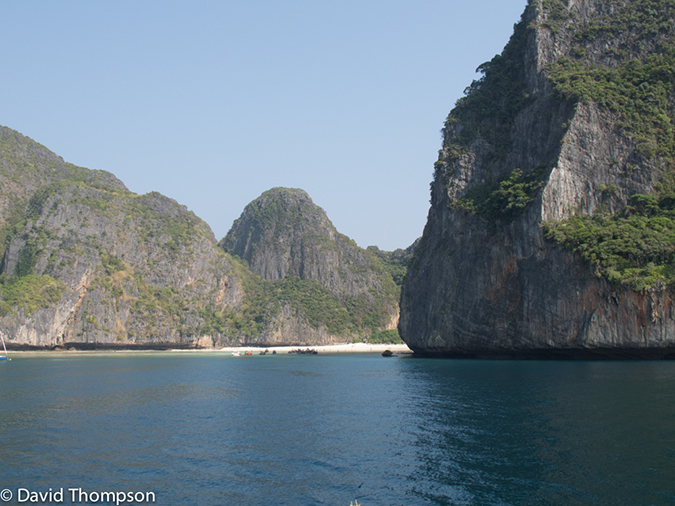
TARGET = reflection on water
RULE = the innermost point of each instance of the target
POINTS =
(546, 433)
(214, 429)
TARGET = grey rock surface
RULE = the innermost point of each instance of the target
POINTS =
(88, 264)
(284, 234)
(482, 289)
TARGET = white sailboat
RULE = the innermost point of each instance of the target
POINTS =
(2, 338)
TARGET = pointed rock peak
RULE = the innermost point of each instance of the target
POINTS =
(282, 193)
(277, 205)
(275, 229)
(281, 208)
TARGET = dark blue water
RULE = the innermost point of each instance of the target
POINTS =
(208, 429)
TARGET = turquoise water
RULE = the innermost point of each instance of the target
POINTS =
(209, 429)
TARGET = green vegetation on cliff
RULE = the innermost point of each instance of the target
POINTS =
(100, 259)
(623, 61)
(351, 315)
(385, 337)
(639, 91)
(322, 276)
(28, 293)
(115, 267)
(491, 103)
(488, 111)
(504, 200)
(556, 13)
(305, 298)
(393, 262)
(308, 297)
(644, 21)
(15, 214)
(635, 246)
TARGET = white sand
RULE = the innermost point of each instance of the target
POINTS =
(333, 348)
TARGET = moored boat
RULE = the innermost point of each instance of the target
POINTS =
(4, 357)
(307, 351)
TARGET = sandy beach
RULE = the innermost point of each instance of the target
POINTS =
(333, 348)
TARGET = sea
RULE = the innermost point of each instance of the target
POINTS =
(336, 429)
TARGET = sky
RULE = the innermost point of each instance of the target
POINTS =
(213, 102)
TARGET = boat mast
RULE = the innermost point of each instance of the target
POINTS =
(3, 343)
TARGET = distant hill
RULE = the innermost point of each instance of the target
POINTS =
(88, 264)
(315, 277)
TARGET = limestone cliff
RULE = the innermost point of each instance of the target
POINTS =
(89, 264)
(319, 279)
(570, 125)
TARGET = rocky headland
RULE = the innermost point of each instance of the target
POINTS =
(549, 233)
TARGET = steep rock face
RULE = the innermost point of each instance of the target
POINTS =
(26, 166)
(281, 233)
(290, 327)
(89, 264)
(484, 280)
(140, 270)
(287, 239)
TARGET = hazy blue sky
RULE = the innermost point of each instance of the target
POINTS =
(213, 102)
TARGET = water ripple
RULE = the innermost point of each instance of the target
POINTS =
(332, 429)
